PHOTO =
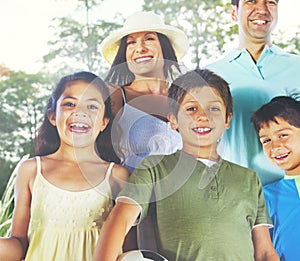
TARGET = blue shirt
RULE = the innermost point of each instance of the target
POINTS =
(252, 85)
(283, 203)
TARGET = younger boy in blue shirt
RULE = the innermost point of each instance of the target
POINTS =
(277, 124)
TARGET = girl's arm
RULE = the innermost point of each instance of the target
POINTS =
(15, 247)
(122, 217)
(263, 247)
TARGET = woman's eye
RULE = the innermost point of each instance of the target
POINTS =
(150, 38)
(69, 104)
(130, 42)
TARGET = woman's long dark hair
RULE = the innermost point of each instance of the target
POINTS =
(120, 74)
(48, 140)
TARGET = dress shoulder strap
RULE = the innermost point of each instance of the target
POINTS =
(123, 95)
(38, 164)
(108, 172)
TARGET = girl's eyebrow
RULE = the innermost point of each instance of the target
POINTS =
(74, 98)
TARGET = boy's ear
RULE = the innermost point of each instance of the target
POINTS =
(233, 12)
(105, 122)
(173, 121)
(51, 118)
(227, 122)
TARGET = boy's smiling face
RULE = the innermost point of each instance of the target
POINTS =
(281, 144)
(201, 122)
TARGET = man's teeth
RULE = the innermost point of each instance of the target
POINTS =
(281, 156)
(259, 21)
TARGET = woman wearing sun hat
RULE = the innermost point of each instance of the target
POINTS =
(144, 57)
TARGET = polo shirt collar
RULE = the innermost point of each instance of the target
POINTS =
(236, 53)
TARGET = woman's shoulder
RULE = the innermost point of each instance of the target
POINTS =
(120, 172)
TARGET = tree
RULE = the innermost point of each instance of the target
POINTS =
(288, 43)
(22, 102)
(76, 43)
(206, 23)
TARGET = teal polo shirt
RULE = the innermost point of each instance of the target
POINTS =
(252, 85)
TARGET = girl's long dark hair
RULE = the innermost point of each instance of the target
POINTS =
(48, 140)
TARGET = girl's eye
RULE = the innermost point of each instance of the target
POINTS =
(92, 107)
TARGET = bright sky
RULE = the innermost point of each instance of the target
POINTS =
(24, 25)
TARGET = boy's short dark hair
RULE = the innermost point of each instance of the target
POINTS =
(285, 107)
(196, 79)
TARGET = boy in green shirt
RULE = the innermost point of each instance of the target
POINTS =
(204, 207)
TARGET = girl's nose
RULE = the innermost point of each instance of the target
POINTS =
(80, 113)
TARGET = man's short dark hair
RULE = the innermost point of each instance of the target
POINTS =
(235, 2)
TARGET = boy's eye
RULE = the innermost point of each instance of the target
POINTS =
(214, 108)
(283, 135)
(265, 141)
(193, 108)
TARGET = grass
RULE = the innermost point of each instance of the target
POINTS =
(7, 204)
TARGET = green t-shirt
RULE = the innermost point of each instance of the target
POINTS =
(192, 223)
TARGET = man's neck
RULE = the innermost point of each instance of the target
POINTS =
(254, 49)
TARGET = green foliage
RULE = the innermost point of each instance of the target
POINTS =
(288, 43)
(20, 112)
(206, 23)
(7, 204)
(75, 45)
(22, 103)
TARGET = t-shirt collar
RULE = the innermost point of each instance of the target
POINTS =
(297, 181)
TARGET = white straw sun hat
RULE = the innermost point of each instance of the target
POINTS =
(141, 22)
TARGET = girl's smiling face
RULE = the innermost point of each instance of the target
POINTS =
(79, 115)
(201, 121)
(281, 144)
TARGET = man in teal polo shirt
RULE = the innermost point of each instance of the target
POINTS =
(256, 71)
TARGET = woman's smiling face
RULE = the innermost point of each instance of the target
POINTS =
(144, 54)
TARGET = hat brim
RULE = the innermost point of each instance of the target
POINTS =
(110, 45)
